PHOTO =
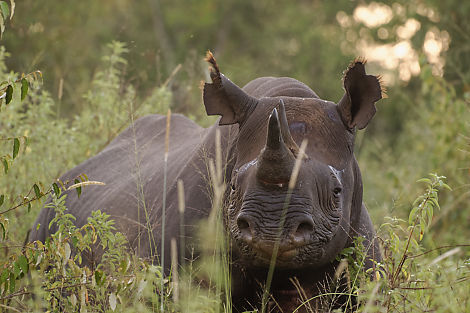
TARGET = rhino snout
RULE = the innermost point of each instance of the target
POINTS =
(299, 233)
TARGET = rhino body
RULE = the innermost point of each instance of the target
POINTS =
(261, 127)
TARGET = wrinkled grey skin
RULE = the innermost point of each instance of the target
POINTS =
(266, 122)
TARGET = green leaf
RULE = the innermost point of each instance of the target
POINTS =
(430, 213)
(435, 202)
(412, 215)
(29, 207)
(37, 191)
(23, 263)
(79, 189)
(16, 147)
(4, 276)
(16, 269)
(424, 215)
(2, 199)
(424, 180)
(62, 185)
(4, 232)
(56, 189)
(420, 198)
(12, 282)
(446, 186)
(74, 241)
(9, 94)
(24, 88)
(99, 275)
(5, 9)
(5, 165)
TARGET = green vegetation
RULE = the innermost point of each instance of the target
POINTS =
(80, 88)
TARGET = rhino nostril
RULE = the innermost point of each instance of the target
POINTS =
(305, 227)
(244, 226)
(303, 231)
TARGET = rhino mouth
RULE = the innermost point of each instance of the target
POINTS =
(260, 254)
(265, 251)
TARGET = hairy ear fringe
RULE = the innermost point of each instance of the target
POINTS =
(383, 86)
(362, 60)
(359, 59)
(214, 69)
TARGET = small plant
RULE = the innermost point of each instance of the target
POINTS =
(71, 281)
(404, 281)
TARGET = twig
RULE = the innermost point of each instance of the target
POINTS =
(438, 248)
(404, 256)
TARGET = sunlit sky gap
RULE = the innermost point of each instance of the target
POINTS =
(398, 56)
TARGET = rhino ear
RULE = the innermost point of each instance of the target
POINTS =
(357, 107)
(222, 97)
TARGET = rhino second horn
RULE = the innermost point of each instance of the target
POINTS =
(286, 135)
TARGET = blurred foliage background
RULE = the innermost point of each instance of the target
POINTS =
(421, 48)
(104, 61)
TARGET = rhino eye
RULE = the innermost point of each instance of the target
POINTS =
(337, 191)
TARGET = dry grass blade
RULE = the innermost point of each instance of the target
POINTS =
(86, 183)
(165, 169)
(174, 270)
(445, 255)
(181, 209)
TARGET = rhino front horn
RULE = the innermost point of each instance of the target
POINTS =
(274, 139)
(275, 161)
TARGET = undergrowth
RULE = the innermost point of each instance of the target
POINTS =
(415, 275)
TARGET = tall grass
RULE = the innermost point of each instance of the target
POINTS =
(426, 264)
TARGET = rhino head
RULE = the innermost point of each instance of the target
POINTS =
(274, 117)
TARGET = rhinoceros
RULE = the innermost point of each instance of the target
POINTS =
(261, 127)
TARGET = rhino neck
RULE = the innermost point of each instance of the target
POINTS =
(356, 203)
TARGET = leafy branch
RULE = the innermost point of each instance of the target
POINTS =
(25, 81)
(79, 182)
(421, 214)
(6, 14)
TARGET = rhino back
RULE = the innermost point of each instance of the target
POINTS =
(132, 167)
(278, 86)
